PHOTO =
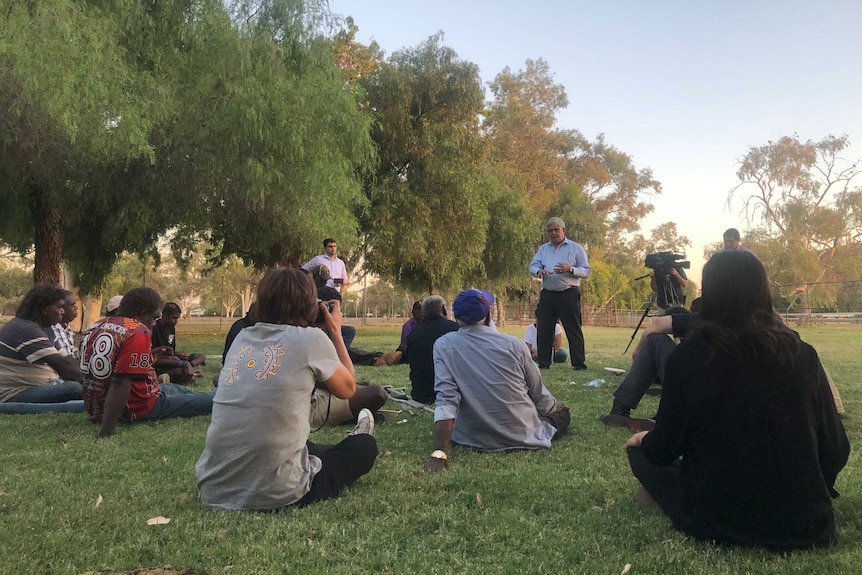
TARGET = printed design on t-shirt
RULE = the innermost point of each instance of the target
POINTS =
(233, 374)
(271, 353)
(100, 363)
(171, 339)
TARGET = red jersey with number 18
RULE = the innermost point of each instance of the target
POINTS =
(118, 347)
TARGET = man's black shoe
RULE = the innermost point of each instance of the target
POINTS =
(581, 367)
(628, 422)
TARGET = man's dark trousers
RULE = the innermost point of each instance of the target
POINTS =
(565, 306)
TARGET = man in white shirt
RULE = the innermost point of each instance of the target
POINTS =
(337, 270)
(531, 337)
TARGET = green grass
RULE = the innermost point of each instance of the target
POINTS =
(567, 510)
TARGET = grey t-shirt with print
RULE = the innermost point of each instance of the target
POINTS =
(255, 455)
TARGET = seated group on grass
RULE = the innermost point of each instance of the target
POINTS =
(745, 448)
(111, 377)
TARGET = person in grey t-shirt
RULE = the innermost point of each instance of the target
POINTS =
(257, 454)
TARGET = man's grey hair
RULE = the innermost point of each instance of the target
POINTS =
(555, 221)
(433, 305)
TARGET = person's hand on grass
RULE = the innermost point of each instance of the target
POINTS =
(636, 439)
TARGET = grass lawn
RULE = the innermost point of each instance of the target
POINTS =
(72, 504)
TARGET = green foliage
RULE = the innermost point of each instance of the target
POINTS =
(428, 216)
(805, 212)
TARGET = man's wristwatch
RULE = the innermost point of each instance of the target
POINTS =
(439, 454)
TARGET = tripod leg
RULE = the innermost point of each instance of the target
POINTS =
(647, 309)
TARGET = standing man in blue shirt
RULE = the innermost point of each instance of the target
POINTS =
(560, 263)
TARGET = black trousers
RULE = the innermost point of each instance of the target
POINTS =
(559, 420)
(343, 464)
(566, 307)
(662, 482)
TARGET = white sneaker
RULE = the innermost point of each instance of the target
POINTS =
(364, 423)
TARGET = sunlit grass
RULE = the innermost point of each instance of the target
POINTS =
(72, 504)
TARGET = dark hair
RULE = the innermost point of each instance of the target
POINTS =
(731, 232)
(736, 313)
(139, 301)
(38, 298)
(328, 241)
(320, 274)
(171, 308)
(286, 296)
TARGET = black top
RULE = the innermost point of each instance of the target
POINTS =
(164, 335)
(760, 447)
(237, 327)
(420, 355)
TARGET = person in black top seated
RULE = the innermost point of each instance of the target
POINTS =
(747, 443)
(419, 349)
(180, 367)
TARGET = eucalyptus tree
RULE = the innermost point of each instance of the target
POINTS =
(70, 103)
(428, 214)
(804, 206)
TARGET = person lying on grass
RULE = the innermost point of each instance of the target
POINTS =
(257, 454)
(747, 443)
(120, 383)
(490, 395)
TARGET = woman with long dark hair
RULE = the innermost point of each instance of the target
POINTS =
(257, 453)
(747, 443)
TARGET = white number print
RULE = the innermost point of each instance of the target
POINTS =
(100, 361)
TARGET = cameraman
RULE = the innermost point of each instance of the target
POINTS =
(674, 279)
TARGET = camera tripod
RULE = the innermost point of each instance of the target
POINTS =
(662, 283)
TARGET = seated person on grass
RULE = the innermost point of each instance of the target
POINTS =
(257, 454)
(747, 444)
(34, 376)
(119, 381)
(490, 395)
(180, 367)
(648, 364)
(60, 333)
(397, 356)
(419, 350)
(328, 409)
(560, 353)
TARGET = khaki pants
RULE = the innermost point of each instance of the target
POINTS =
(326, 409)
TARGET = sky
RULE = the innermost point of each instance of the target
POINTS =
(684, 88)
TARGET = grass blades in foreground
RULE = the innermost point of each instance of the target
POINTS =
(72, 504)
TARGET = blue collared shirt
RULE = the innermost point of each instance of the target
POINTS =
(568, 252)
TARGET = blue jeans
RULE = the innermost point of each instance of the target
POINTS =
(64, 397)
(177, 401)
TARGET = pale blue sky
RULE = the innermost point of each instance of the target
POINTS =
(683, 87)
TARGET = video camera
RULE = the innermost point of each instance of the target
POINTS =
(664, 262)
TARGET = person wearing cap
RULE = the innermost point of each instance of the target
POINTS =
(490, 395)
(419, 348)
(113, 305)
(561, 264)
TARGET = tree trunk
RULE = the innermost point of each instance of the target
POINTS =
(47, 236)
